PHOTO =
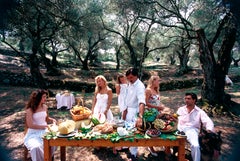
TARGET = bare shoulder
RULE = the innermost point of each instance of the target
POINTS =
(45, 106)
(148, 90)
(28, 110)
(109, 89)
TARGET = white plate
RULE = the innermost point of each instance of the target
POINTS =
(66, 135)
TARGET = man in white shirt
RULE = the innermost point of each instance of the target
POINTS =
(135, 102)
(190, 118)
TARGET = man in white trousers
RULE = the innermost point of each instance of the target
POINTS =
(135, 102)
(190, 118)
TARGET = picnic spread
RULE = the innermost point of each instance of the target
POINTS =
(94, 130)
(87, 126)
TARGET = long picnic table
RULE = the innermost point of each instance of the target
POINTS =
(145, 142)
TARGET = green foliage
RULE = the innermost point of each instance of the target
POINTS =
(150, 114)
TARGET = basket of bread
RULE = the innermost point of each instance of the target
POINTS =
(165, 123)
(79, 112)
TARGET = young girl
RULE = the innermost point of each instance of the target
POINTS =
(36, 122)
(121, 89)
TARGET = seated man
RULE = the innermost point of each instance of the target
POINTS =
(190, 118)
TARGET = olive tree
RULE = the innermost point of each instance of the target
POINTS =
(38, 22)
(214, 48)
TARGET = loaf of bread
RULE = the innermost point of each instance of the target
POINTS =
(105, 128)
(66, 127)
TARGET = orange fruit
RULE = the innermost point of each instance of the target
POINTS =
(175, 115)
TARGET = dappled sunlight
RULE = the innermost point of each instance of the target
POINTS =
(12, 123)
(92, 154)
(228, 141)
(3, 94)
(12, 132)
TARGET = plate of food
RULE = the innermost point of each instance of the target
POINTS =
(71, 134)
(153, 132)
(166, 123)
(180, 133)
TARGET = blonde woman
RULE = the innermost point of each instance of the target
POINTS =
(102, 98)
(152, 96)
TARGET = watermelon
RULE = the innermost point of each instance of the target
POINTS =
(95, 121)
(98, 118)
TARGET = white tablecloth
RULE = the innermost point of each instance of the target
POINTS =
(65, 100)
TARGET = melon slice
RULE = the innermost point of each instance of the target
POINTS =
(101, 118)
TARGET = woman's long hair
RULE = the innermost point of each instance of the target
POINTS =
(97, 88)
(120, 75)
(35, 99)
(150, 82)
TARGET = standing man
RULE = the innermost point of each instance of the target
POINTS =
(135, 102)
(190, 118)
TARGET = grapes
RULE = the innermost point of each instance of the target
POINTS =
(153, 132)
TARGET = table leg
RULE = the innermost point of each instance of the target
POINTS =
(63, 153)
(181, 151)
(47, 150)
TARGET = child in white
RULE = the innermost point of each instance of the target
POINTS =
(121, 89)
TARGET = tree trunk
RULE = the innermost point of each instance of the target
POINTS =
(214, 72)
(51, 70)
(35, 72)
(85, 64)
(54, 59)
(183, 56)
(34, 66)
(117, 58)
(224, 61)
(85, 61)
(208, 64)
(133, 57)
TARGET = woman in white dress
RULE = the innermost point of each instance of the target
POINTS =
(36, 122)
(121, 90)
(102, 98)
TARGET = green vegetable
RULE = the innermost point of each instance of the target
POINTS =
(95, 121)
(172, 123)
(85, 130)
(150, 114)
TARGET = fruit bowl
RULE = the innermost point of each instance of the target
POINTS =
(153, 132)
(165, 123)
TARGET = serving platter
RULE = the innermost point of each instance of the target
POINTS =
(66, 135)
(153, 132)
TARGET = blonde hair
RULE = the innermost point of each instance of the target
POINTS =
(150, 82)
(97, 88)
